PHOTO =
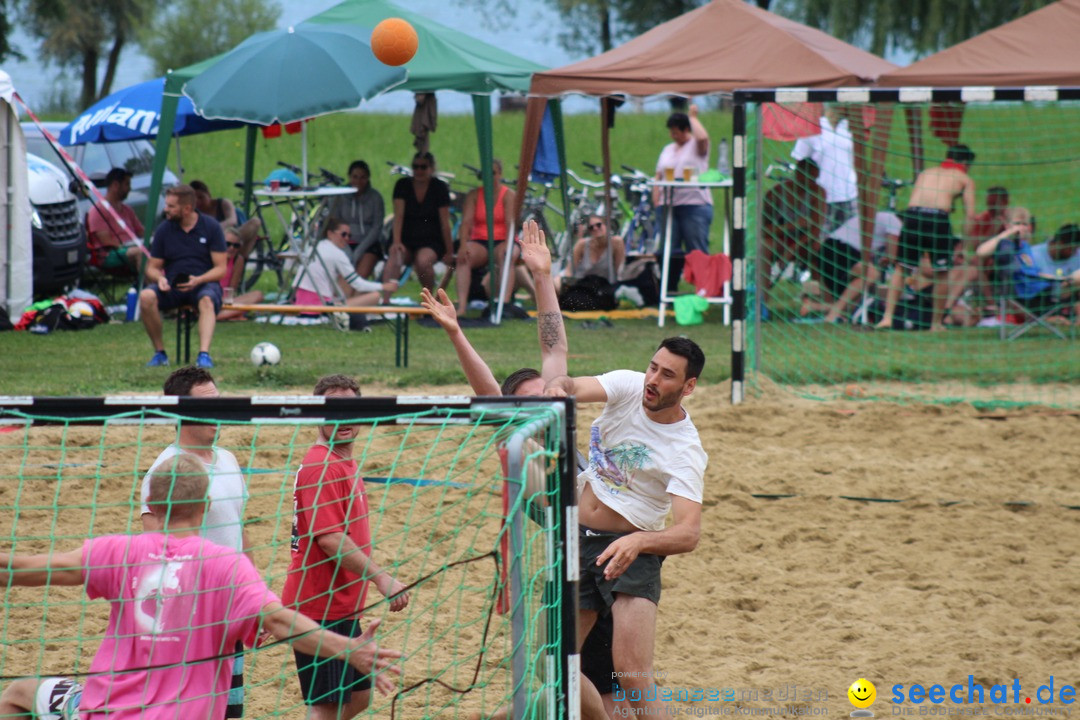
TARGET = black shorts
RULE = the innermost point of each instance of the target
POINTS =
(415, 245)
(330, 681)
(641, 579)
(596, 661)
(235, 708)
(927, 231)
(175, 298)
(837, 259)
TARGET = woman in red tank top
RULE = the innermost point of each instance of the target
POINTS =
(473, 251)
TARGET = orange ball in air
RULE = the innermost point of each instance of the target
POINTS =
(394, 41)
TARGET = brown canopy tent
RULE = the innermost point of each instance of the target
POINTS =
(719, 47)
(1039, 48)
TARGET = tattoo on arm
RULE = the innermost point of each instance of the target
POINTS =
(550, 322)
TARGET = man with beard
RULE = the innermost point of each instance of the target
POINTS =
(331, 561)
(645, 458)
(187, 263)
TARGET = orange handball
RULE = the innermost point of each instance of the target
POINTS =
(394, 41)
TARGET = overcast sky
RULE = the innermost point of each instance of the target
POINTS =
(36, 83)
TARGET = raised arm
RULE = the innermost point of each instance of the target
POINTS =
(36, 570)
(701, 135)
(479, 375)
(363, 653)
(549, 321)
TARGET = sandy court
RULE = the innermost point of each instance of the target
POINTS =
(971, 573)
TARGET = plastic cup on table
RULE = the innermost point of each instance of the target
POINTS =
(228, 295)
(669, 174)
(275, 185)
(687, 173)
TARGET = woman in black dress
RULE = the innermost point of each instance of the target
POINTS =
(421, 223)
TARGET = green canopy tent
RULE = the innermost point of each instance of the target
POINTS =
(445, 60)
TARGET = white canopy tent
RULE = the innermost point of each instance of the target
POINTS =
(16, 250)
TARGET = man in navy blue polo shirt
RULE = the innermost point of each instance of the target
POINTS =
(187, 262)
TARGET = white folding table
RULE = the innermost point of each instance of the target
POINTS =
(668, 187)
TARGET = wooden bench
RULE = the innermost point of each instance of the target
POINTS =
(401, 321)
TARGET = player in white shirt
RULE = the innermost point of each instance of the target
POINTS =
(833, 149)
(330, 266)
(645, 458)
(223, 523)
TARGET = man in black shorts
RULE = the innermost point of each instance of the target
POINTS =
(645, 459)
(187, 263)
(926, 243)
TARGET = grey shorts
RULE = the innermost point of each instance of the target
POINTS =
(595, 592)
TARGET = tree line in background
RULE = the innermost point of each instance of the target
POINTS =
(84, 35)
(919, 27)
(88, 35)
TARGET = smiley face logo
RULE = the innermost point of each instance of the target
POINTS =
(862, 693)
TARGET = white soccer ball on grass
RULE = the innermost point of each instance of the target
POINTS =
(265, 354)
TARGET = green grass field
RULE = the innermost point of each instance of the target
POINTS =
(1034, 165)
(110, 358)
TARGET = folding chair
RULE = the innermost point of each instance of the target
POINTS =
(1034, 311)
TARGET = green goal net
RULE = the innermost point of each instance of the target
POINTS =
(860, 247)
(463, 497)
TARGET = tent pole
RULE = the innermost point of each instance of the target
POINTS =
(606, 107)
(482, 114)
(534, 118)
(560, 149)
(179, 164)
(249, 166)
(303, 153)
(170, 98)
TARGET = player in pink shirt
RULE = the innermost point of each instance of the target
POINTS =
(179, 606)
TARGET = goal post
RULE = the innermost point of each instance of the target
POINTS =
(791, 322)
(72, 468)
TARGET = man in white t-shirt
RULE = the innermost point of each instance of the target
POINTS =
(223, 523)
(645, 458)
(833, 149)
(330, 267)
(691, 208)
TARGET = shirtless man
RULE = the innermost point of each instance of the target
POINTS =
(926, 242)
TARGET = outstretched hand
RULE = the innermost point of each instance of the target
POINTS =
(534, 249)
(367, 657)
(441, 309)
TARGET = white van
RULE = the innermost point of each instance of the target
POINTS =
(59, 240)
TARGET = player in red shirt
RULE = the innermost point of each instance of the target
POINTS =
(331, 560)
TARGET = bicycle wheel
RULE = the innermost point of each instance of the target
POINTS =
(262, 259)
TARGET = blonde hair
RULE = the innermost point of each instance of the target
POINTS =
(178, 488)
(1017, 214)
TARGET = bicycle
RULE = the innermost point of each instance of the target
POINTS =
(265, 256)
(638, 229)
